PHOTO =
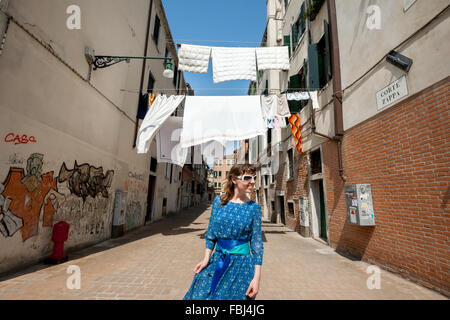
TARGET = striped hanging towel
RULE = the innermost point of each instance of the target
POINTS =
(296, 129)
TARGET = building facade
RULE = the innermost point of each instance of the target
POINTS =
(68, 131)
(382, 120)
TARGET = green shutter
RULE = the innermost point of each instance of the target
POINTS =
(302, 24)
(327, 50)
(294, 36)
(287, 42)
(313, 66)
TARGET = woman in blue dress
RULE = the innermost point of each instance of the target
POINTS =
(231, 272)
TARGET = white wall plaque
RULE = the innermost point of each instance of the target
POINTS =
(392, 93)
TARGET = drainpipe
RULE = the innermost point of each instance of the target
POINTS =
(337, 95)
(136, 127)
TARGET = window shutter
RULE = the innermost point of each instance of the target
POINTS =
(287, 42)
(294, 36)
(313, 66)
(327, 50)
(302, 12)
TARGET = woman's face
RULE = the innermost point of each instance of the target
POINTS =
(246, 183)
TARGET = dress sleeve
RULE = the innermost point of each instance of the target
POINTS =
(256, 243)
(210, 238)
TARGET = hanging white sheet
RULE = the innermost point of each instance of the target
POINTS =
(233, 64)
(192, 58)
(283, 106)
(315, 101)
(168, 142)
(221, 118)
(161, 109)
(276, 58)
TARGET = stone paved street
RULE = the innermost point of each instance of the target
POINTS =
(156, 262)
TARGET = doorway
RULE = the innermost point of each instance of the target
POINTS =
(318, 209)
(150, 197)
(281, 202)
(323, 219)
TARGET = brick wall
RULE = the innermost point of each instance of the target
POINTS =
(403, 153)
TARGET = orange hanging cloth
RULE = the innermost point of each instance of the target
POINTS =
(151, 98)
(296, 129)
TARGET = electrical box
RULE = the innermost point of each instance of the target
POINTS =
(358, 198)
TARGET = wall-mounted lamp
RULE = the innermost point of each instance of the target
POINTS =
(399, 60)
(100, 62)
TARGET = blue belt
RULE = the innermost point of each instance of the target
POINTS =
(225, 248)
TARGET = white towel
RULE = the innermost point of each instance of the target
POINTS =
(315, 101)
(192, 58)
(221, 118)
(273, 58)
(161, 109)
(233, 64)
(167, 142)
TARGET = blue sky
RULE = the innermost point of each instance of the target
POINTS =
(221, 23)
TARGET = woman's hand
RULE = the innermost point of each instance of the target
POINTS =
(253, 288)
(201, 265)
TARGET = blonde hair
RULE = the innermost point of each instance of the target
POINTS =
(235, 171)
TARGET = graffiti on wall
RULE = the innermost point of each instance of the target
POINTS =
(135, 186)
(19, 139)
(86, 180)
(26, 193)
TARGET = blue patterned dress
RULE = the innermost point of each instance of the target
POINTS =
(234, 221)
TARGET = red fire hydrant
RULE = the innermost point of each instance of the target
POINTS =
(59, 235)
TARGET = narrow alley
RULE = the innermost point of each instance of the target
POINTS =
(155, 262)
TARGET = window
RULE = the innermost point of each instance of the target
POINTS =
(228, 162)
(153, 164)
(226, 173)
(215, 184)
(168, 166)
(156, 29)
(291, 210)
(296, 83)
(269, 142)
(319, 61)
(219, 184)
(316, 162)
(291, 163)
(298, 28)
(272, 204)
(151, 82)
(175, 75)
(220, 173)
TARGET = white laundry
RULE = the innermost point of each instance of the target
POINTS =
(273, 58)
(269, 106)
(283, 106)
(192, 58)
(315, 101)
(298, 96)
(221, 118)
(233, 64)
(168, 142)
(161, 109)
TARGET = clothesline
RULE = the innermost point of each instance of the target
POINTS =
(205, 89)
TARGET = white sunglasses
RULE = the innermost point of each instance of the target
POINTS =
(247, 178)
